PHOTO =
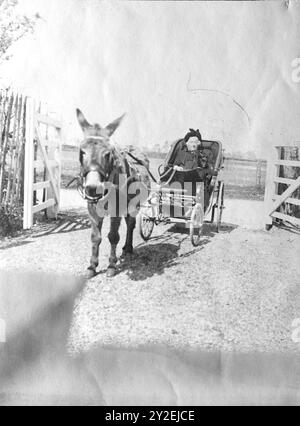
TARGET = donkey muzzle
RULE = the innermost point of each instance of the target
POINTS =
(93, 185)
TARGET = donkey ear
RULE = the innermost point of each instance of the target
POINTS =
(84, 124)
(112, 127)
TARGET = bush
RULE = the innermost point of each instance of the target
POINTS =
(13, 26)
(10, 221)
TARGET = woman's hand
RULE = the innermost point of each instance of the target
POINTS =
(178, 168)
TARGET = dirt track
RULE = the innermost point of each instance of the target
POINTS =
(238, 291)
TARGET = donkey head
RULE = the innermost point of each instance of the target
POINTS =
(98, 157)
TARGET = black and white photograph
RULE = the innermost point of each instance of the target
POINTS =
(149, 206)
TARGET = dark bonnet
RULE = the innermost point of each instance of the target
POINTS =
(192, 133)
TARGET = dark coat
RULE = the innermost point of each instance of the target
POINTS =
(190, 160)
(184, 158)
(187, 159)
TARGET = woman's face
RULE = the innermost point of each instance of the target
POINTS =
(192, 144)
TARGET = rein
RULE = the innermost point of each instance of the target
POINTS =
(80, 188)
(141, 164)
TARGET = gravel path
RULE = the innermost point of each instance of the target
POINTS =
(238, 291)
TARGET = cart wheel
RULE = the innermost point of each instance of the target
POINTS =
(146, 219)
(196, 225)
(220, 205)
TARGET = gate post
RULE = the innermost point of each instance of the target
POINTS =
(270, 188)
(29, 164)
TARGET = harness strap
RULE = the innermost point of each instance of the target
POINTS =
(141, 164)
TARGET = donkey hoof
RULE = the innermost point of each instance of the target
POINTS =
(111, 272)
(91, 273)
(127, 252)
(126, 256)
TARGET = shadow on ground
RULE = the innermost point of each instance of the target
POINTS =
(287, 227)
(208, 231)
(67, 222)
(35, 368)
(162, 252)
(149, 260)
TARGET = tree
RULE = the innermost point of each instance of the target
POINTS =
(13, 26)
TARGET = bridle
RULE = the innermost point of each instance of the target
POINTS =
(81, 189)
(105, 177)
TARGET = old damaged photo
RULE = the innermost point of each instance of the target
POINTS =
(149, 203)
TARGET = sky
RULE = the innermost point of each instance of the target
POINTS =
(222, 67)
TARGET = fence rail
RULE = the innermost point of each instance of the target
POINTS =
(243, 172)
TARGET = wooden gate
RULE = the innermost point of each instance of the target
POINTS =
(282, 195)
(42, 174)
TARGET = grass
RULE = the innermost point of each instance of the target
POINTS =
(10, 221)
(244, 192)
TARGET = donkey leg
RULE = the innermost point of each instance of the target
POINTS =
(131, 223)
(96, 238)
(96, 241)
(114, 238)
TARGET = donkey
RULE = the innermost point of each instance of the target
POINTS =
(103, 164)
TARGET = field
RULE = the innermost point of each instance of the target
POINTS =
(240, 176)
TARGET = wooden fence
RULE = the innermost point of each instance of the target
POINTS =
(30, 157)
(12, 143)
(242, 172)
(282, 194)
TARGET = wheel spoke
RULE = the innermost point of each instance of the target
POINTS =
(146, 223)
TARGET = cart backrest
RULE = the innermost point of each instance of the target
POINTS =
(215, 152)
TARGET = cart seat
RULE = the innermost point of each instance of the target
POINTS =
(212, 149)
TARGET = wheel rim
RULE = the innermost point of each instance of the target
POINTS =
(196, 225)
(146, 223)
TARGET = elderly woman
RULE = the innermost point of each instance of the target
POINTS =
(186, 156)
(190, 156)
